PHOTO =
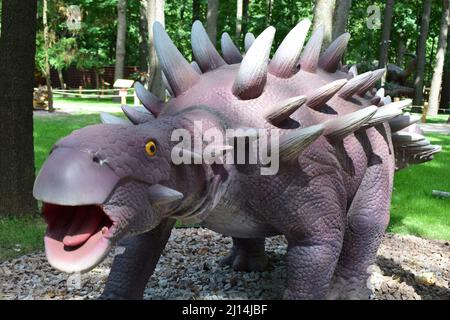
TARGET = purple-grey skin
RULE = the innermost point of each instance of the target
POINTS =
(104, 185)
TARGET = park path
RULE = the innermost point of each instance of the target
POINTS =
(441, 128)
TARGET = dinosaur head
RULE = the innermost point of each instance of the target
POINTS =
(101, 183)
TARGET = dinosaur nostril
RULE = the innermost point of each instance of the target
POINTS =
(96, 159)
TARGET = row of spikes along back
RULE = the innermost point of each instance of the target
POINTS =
(179, 75)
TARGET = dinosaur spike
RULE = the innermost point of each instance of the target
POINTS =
(285, 59)
(248, 40)
(321, 95)
(353, 71)
(400, 104)
(376, 75)
(310, 56)
(387, 100)
(196, 67)
(167, 85)
(383, 114)
(162, 195)
(407, 139)
(380, 93)
(203, 49)
(402, 122)
(150, 102)
(135, 116)
(180, 74)
(354, 84)
(282, 111)
(293, 143)
(252, 75)
(109, 118)
(375, 100)
(230, 52)
(193, 156)
(341, 127)
(329, 61)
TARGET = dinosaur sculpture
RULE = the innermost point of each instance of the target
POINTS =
(330, 196)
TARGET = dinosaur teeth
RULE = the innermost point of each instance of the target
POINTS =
(320, 96)
(402, 122)
(230, 52)
(150, 102)
(135, 116)
(196, 67)
(109, 118)
(353, 71)
(294, 142)
(204, 51)
(283, 110)
(248, 40)
(179, 73)
(330, 59)
(343, 126)
(376, 75)
(285, 59)
(354, 84)
(310, 56)
(252, 74)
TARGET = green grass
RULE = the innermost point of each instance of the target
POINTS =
(20, 235)
(440, 118)
(414, 210)
(89, 101)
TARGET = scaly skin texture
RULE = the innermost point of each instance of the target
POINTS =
(331, 201)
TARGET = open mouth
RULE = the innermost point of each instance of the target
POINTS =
(77, 237)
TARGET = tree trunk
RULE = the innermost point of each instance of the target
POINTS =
(196, 10)
(121, 38)
(440, 59)
(323, 14)
(245, 18)
(340, 19)
(155, 12)
(240, 4)
(401, 50)
(17, 48)
(421, 54)
(445, 95)
(386, 35)
(269, 6)
(48, 80)
(143, 39)
(61, 79)
(211, 20)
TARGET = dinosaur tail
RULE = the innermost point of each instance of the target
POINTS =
(410, 145)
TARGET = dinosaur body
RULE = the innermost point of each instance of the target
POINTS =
(330, 193)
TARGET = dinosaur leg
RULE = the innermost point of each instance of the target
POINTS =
(132, 269)
(247, 255)
(368, 217)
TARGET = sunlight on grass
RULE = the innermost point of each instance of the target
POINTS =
(21, 235)
(414, 210)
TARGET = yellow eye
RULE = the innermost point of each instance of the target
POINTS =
(150, 148)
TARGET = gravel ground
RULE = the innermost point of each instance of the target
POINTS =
(407, 268)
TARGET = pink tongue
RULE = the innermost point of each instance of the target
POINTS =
(85, 223)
